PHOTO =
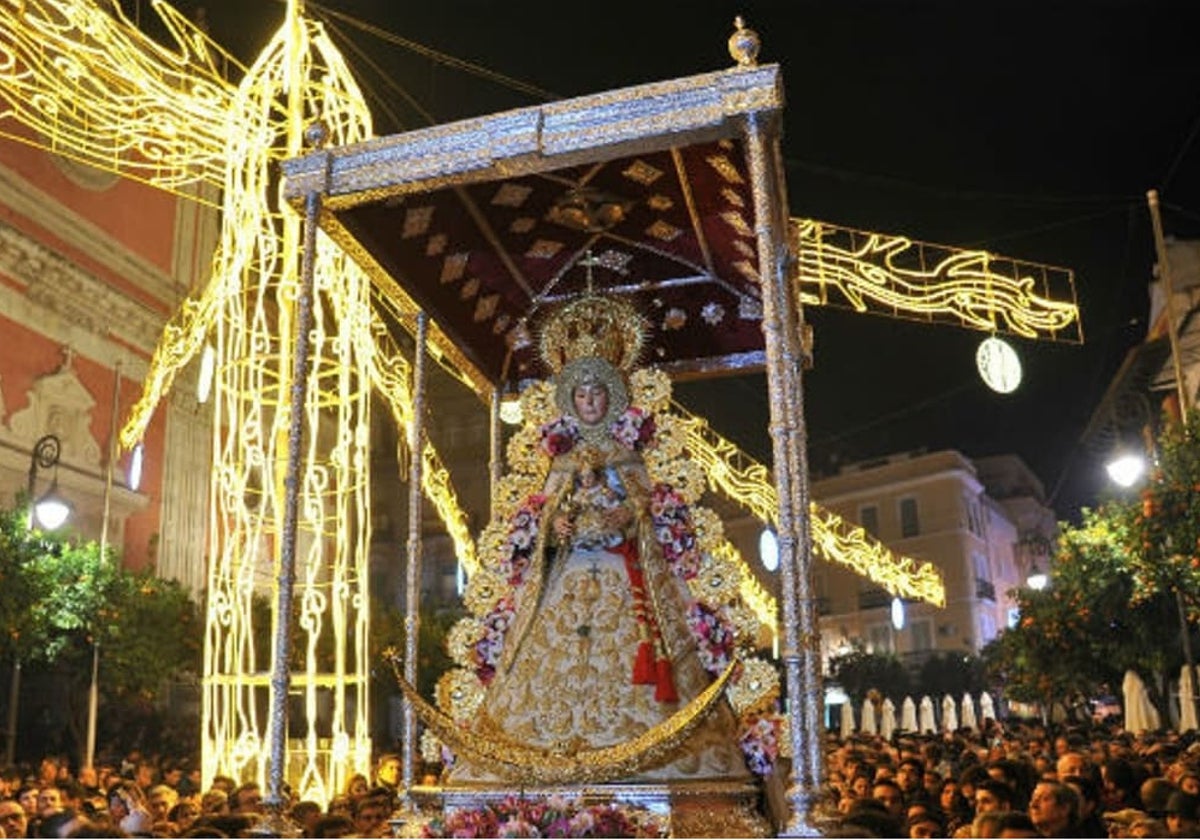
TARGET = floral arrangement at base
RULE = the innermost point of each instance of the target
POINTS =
(553, 816)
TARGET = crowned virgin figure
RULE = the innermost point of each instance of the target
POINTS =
(590, 656)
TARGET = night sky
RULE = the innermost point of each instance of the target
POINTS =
(1030, 129)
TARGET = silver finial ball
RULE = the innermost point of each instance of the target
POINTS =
(744, 44)
(316, 135)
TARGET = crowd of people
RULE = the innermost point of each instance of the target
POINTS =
(1018, 781)
(144, 797)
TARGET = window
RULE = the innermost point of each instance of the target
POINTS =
(879, 638)
(868, 517)
(974, 517)
(910, 525)
(922, 635)
(983, 577)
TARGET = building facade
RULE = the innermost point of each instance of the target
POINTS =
(91, 267)
(984, 524)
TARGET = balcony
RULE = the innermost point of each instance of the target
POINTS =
(985, 590)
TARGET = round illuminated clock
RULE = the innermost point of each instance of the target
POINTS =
(999, 365)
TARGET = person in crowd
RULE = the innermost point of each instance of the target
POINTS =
(1072, 763)
(1120, 785)
(183, 815)
(246, 799)
(161, 798)
(956, 809)
(1153, 795)
(333, 825)
(986, 824)
(387, 772)
(1183, 815)
(871, 818)
(305, 814)
(1017, 824)
(1090, 807)
(27, 796)
(12, 819)
(1054, 809)
(214, 803)
(909, 777)
(370, 813)
(993, 795)
(925, 825)
(887, 792)
(357, 785)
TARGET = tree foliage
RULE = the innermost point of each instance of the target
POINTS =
(59, 597)
(1164, 529)
(954, 673)
(1081, 633)
(858, 672)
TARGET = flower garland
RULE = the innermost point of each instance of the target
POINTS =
(550, 817)
(558, 437)
(634, 429)
(760, 743)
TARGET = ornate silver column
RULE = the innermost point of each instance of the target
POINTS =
(281, 675)
(412, 589)
(496, 456)
(783, 363)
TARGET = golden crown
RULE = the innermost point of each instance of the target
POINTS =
(603, 327)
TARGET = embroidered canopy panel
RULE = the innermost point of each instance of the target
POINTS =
(486, 223)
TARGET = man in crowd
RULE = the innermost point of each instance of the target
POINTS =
(12, 819)
(1054, 809)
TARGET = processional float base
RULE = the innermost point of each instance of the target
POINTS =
(681, 809)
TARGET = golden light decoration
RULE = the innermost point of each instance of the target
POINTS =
(745, 481)
(850, 544)
(906, 278)
(91, 87)
(99, 91)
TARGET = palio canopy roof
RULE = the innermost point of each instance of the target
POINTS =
(484, 224)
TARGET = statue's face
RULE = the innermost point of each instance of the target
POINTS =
(591, 402)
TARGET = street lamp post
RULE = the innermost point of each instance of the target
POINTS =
(48, 512)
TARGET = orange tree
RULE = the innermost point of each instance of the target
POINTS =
(1081, 632)
(59, 596)
(1164, 533)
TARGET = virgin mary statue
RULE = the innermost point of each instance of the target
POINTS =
(603, 641)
